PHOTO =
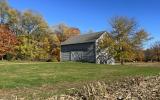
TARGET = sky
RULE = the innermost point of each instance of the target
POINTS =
(95, 14)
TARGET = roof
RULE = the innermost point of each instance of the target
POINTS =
(92, 37)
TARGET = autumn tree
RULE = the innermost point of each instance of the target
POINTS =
(36, 39)
(33, 23)
(156, 50)
(54, 46)
(8, 40)
(33, 36)
(149, 55)
(3, 12)
(139, 55)
(8, 15)
(64, 32)
(153, 53)
(124, 39)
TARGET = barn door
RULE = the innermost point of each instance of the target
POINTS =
(76, 55)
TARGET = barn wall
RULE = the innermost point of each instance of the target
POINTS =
(102, 55)
(78, 52)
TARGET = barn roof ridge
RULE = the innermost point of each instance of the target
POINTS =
(84, 38)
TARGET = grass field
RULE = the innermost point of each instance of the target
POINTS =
(65, 75)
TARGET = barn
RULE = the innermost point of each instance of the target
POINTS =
(85, 48)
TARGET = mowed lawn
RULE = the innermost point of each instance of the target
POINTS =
(36, 74)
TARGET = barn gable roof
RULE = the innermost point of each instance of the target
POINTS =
(92, 37)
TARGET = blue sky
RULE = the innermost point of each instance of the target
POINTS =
(95, 14)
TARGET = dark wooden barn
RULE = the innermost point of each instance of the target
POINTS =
(85, 48)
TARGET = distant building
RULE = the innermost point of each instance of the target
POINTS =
(85, 48)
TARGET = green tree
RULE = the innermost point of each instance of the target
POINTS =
(124, 39)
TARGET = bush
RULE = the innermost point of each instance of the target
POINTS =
(9, 56)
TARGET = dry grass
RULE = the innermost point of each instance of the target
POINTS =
(138, 88)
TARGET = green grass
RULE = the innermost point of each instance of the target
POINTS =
(14, 74)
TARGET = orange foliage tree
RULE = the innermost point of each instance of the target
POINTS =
(8, 40)
(64, 32)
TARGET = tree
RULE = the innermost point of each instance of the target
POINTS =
(8, 40)
(139, 55)
(156, 50)
(8, 15)
(36, 40)
(149, 55)
(153, 53)
(33, 33)
(61, 33)
(54, 47)
(3, 12)
(64, 32)
(124, 39)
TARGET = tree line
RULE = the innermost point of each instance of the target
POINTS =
(27, 36)
(152, 54)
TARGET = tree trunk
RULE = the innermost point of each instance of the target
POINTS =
(158, 58)
(122, 62)
(2, 58)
